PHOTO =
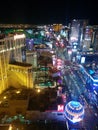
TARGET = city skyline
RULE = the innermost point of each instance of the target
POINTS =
(42, 69)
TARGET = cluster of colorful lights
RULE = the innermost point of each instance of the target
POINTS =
(74, 111)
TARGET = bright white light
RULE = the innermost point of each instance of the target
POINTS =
(69, 52)
(95, 92)
(38, 90)
(19, 36)
(10, 127)
(58, 38)
(4, 97)
(83, 60)
(73, 39)
(76, 119)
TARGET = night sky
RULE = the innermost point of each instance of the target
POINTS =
(48, 11)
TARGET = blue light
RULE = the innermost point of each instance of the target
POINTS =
(74, 111)
(91, 71)
(74, 104)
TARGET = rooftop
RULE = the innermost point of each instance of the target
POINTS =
(21, 64)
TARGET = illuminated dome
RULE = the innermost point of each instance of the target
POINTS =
(74, 111)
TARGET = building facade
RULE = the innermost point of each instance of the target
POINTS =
(11, 47)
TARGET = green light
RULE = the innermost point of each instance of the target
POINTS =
(46, 84)
(44, 68)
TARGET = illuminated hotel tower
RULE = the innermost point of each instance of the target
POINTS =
(95, 38)
(87, 40)
(76, 31)
(4, 57)
(10, 53)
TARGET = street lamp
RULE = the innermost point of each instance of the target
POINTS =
(38, 90)
(4, 97)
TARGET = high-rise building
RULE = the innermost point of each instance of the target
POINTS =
(76, 31)
(11, 51)
(95, 38)
(87, 38)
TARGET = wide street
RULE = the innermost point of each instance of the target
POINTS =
(78, 92)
